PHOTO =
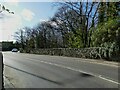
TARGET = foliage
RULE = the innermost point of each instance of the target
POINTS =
(75, 41)
(105, 35)
(77, 25)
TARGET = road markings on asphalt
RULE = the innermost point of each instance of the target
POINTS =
(101, 63)
(108, 80)
(106, 63)
(78, 70)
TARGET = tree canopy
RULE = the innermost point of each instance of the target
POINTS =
(75, 25)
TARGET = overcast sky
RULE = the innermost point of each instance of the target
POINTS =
(26, 14)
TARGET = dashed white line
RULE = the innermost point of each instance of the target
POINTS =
(78, 70)
(100, 63)
(112, 64)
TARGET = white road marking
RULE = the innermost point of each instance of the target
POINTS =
(108, 80)
(78, 70)
(101, 63)
(112, 64)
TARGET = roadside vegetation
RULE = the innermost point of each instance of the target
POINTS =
(76, 25)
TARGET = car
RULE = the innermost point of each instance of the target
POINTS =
(14, 50)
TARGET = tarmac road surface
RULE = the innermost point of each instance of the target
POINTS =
(44, 71)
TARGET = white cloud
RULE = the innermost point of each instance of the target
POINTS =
(0, 31)
(31, 0)
(43, 20)
(9, 24)
(52, 23)
(27, 14)
(12, 22)
(12, 3)
(14, 0)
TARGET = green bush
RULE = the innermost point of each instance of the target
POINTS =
(105, 35)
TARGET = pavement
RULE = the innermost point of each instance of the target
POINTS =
(44, 71)
(7, 83)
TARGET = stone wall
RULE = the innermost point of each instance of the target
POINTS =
(92, 53)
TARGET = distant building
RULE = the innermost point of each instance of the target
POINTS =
(6, 45)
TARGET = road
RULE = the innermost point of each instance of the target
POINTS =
(44, 71)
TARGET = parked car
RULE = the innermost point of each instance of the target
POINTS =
(14, 50)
